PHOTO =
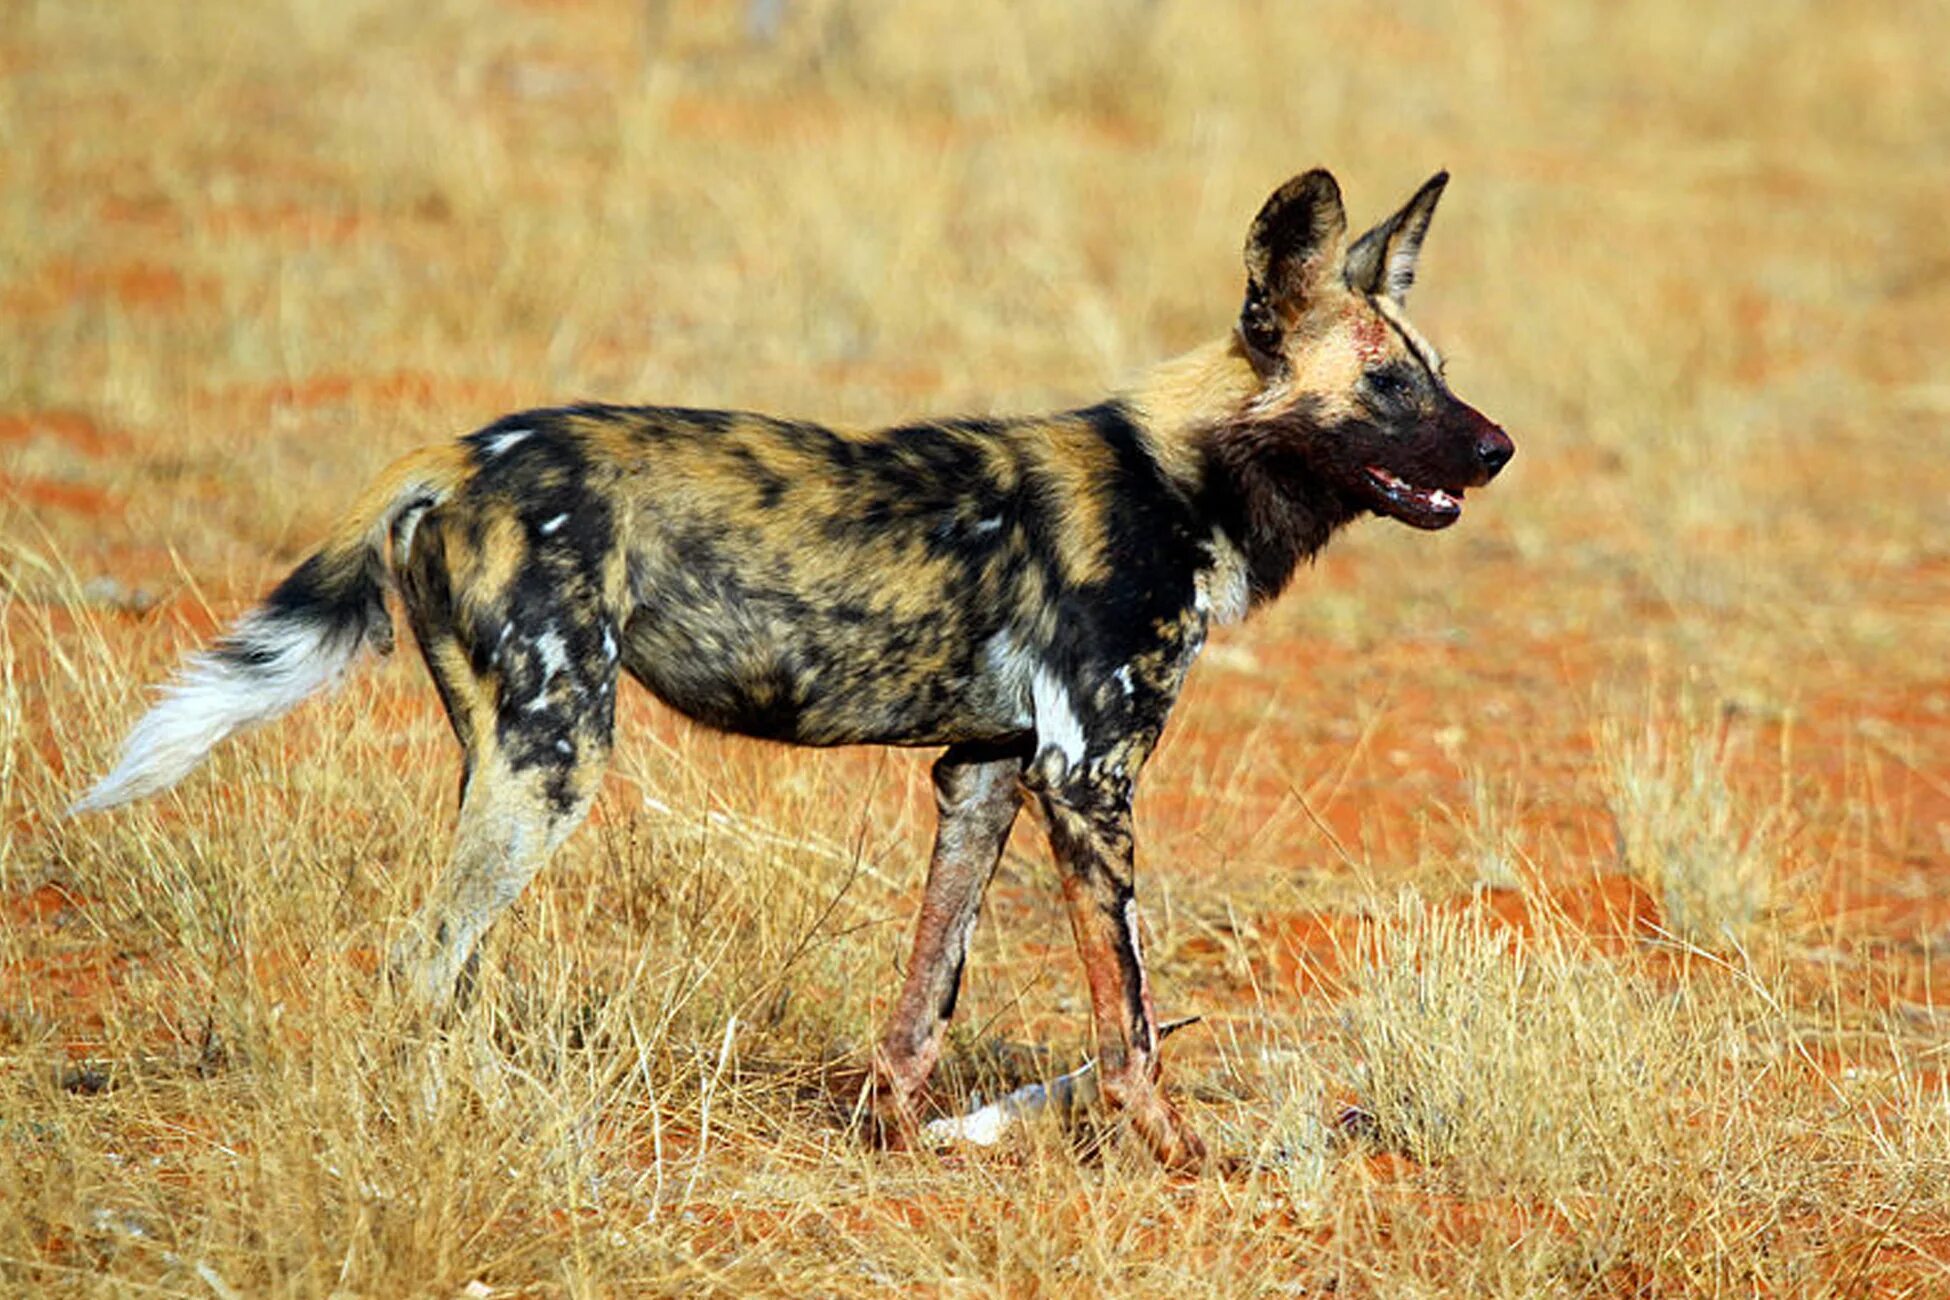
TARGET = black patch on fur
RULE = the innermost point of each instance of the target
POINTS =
(1266, 487)
(1123, 912)
(1259, 330)
(953, 997)
(346, 600)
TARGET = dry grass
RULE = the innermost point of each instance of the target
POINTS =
(1711, 861)
(1632, 987)
(1646, 1131)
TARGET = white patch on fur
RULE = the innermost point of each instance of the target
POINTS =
(554, 652)
(1008, 657)
(1010, 665)
(548, 529)
(501, 443)
(1131, 928)
(609, 645)
(1056, 720)
(1137, 955)
(1276, 396)
(983, 527)
(1223, 591)
(403, 532)
(215, 695)
(1124, 680)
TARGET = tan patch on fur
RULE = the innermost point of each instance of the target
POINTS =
(1077, 465)
(471, 707)
(503, 554)
(1324, 363)
(605, 439)
(435, 470)
(1183, 398)
(615, 578)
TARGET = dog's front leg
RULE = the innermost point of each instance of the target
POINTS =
(1090, 832)
(977, 793)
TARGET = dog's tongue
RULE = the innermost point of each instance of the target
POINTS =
(1429, 508)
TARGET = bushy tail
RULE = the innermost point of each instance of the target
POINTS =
(299, 641)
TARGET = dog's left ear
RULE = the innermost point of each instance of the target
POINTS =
(1383, 260)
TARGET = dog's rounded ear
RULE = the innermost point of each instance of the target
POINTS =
(1293, 251)
(1383, 260)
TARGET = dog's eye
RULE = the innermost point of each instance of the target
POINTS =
(1388, 385)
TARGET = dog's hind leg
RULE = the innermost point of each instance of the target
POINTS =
(511, 819)
(536, 725)
(977, 793)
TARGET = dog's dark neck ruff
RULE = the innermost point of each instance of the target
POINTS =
(1265, 481)
(1261, 489)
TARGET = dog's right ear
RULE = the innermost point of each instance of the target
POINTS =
(1293, 254)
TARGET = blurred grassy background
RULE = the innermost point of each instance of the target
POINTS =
(1678, 678)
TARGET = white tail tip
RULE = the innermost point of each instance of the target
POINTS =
(262, 669)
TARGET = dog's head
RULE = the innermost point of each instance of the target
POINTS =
(1346, 385)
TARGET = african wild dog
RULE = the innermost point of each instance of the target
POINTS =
(1029, 593)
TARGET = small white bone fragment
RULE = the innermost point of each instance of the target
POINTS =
(985, 1125)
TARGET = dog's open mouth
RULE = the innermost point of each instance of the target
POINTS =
(1420, 507)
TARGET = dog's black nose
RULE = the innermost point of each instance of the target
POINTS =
(1494, 449)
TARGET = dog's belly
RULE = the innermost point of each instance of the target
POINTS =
(781, 670)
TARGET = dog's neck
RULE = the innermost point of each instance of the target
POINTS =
(1248, 476)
